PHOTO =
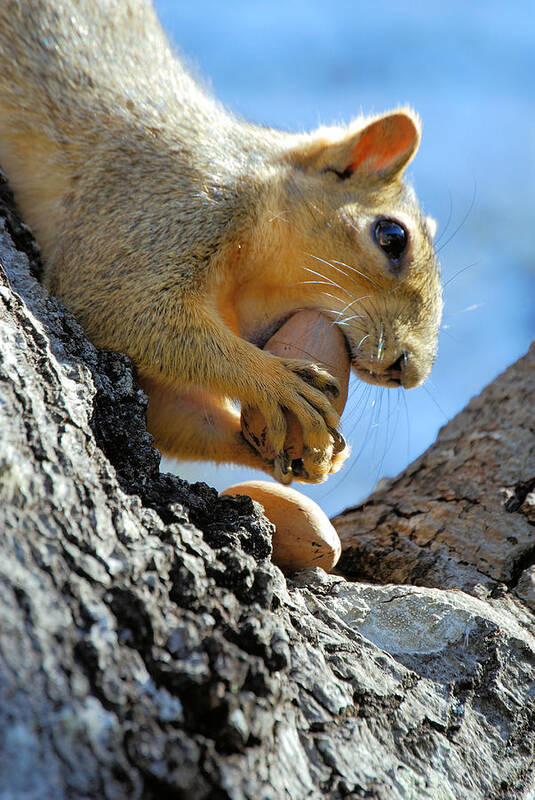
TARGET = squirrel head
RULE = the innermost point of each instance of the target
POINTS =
(361, 247)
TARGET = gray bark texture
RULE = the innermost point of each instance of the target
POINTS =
(149, 648)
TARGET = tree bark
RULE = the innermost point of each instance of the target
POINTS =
(149, 648)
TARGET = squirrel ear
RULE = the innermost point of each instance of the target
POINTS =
(380, 150)
(384, 147)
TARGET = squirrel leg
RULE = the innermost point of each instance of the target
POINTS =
(192, 424)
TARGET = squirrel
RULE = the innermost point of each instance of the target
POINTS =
(184, 236)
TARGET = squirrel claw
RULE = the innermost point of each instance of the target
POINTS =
(339, 441)
(282, 469)
(333, 388)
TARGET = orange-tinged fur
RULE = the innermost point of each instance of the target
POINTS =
(183, 236)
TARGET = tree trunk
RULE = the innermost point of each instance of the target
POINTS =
(149, 648)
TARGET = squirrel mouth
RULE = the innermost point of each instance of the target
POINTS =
(390, 376)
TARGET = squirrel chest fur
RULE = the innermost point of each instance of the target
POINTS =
(184, 237)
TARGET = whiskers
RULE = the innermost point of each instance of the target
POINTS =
(460, 272)
(460, 225)
(343, 271)
(441, 245)
(325, 281)
(371, 424)
(379, 424)
(380, 342)
(339, 294)
(435, 402)
(343, 319)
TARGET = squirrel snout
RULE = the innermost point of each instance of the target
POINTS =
(405, 371)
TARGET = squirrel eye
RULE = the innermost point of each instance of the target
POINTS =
(391, 237)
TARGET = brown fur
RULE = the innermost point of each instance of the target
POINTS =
(182, 236)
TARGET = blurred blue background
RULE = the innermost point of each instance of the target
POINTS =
(469, 70)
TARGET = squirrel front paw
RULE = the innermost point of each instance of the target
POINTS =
(299, 389)
(301, 468)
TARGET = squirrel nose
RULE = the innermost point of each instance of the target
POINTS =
(406, 371)
(395, 370)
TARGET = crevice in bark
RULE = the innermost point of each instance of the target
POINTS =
(20, 233)
(525, 561)
(520, 492)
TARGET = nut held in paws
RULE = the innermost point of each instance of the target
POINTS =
(307, 335)
(304, 536)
